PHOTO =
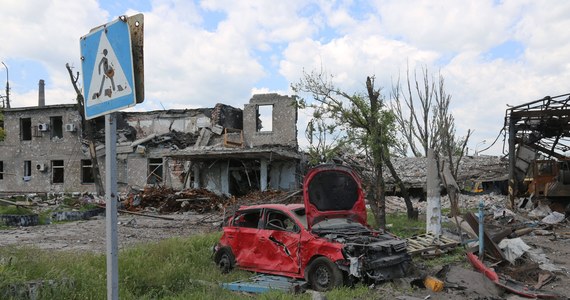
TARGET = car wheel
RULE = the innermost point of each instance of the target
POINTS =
(323, 275)
(225, 260)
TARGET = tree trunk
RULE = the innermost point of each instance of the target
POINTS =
(88, 133)
(453, 200)
(379, 200)
(411, 212)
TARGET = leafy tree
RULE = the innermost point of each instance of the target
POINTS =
(368, 125)
(325, 140)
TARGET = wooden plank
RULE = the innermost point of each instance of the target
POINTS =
(428, 241)
(490, 246)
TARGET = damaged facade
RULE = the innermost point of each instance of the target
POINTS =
(224, 149)
(476, 174)
(538, 145)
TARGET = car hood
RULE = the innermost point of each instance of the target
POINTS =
(331, 191)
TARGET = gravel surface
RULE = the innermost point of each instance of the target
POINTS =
(90, 235)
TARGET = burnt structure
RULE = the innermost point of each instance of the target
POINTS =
(538, 130)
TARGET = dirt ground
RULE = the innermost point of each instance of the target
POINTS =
(90, 235)
(461, 281)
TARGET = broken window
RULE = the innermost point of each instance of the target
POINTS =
(154, 170)
(27, 170)
(57, 171)
(1, 170)
(26, 129)
(87, 171)
(56, 127)
(244, 177)
(279, 221)
(264, 122)
(248, 219)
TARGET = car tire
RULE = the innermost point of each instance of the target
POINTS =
(323, 275)
(225, 260)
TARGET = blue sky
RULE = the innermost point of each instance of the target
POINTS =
(198, 53)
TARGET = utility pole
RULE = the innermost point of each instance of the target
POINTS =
(7, 87)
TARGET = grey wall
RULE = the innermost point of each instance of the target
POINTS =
(215, 178)
(41, 149)
(283, 175)
(284, 121)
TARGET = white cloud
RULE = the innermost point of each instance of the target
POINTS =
(446, 25)
(189, 65)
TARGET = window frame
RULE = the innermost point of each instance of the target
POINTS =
(27, 170)
(263, 116)
(26, 131)
(248, 212)
(56, 127)
(152, 168)
(55, 169)
(87, 164)
(284, 216)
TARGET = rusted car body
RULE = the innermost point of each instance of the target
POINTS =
(325, 241)
(549, 179)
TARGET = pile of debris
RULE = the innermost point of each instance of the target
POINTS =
(395, 204)
(514, 247)
(168, 200)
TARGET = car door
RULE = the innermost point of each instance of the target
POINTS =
(278, 243)
(244, 237)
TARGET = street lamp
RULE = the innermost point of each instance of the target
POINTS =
(7, 87)
(477, 146)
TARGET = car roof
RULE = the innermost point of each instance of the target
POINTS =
(283, 207)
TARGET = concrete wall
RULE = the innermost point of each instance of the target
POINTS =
(283, 175)
(42, 149)
(284, 121)
(161, 122)
(216, 178)
(132, 168)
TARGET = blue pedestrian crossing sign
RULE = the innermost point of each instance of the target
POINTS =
(108, 69)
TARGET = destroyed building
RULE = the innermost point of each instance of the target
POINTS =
(487, 174)
(224, 149)
(538, 146)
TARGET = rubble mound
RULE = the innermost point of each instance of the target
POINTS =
(168, 200)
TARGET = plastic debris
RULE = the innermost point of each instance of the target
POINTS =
(553, 218)
(513, 248)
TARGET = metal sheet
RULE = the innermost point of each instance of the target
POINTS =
(265, 283)
(136, 25)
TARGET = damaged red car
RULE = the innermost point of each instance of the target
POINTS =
(326, 241)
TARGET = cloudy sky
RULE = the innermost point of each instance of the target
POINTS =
(198, 53)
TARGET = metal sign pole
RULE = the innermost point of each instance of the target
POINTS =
(116, 48)
(111, 206)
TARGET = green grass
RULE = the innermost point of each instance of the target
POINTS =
(177, 268)
(400, 225)
(69, 203)
(453, 257)
(403, 227)
(14, 210)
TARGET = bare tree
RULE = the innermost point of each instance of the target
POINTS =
(428, 124)
(88, 127)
